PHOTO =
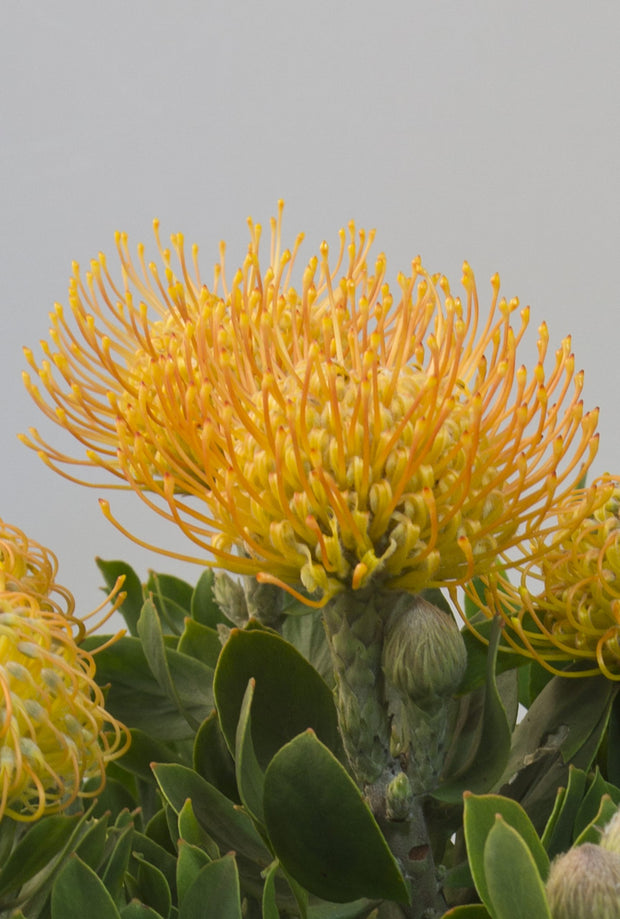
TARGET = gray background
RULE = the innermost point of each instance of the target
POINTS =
(480, 130)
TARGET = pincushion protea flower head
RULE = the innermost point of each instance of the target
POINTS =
(330, 436)
(566, 606)
(27, 566)
(54, 730)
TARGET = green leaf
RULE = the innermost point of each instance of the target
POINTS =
(148, 850)
(290, 695)
(40, 845)
(592, 832)
(114, 874)
(201, 642)
(223, 821)
(471, 911)
(478, 648)
(590, 804)
(92, 846)
(190, 863)
(145, 750)
(162, 831)
(217, 886)
(250, 776)
(321, 828)
(150, 631)
(114, 798)
(558, 835)
(132, 604)
(172, 598)
(8, 830)
(212, 759)
(153, 887)
(564, 725)
(478, 820)
(487, 758)
(515, 888)
(269, 903)
(613, 743)
(138, 700)
(539, 676)
(193, 833)
(354, 910)
(78, 892)
(137, 910)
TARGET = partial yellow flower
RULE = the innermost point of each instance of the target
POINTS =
(55, 733)
(54, 730)
(27, 566)
(327, 437)
(566, 606)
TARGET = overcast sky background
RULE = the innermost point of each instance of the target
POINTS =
(482, 130)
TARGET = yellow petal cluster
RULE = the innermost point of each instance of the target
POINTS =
(324, 436)
(55, 733)
(566, 606)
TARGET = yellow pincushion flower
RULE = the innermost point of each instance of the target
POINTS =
(27, 566)
(54, 730)
(328, 437)
(566, 606)
(52, 715)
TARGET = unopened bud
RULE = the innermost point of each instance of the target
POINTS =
(424, 655)
(584, 883)
(264, 601)
(611, 836)
(399, 798)
(230, 597)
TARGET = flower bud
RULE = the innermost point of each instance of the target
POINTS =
(399, 798)
(424, 655)
(585, 883)
(611, 835)
(230, 597)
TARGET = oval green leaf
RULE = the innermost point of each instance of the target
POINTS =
(138, 699)
(229, 826)
(132, 588)
(478, 821)
(322, 830)
(216, 887)
(290, 695)
(78, 892)
(515, 888)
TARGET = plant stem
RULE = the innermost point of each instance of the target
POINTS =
(354, 625)
(409, 842)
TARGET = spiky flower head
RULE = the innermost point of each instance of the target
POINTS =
(327, 436)
(566, 606)
(55, 733)
(30, 567)
(584, 883)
